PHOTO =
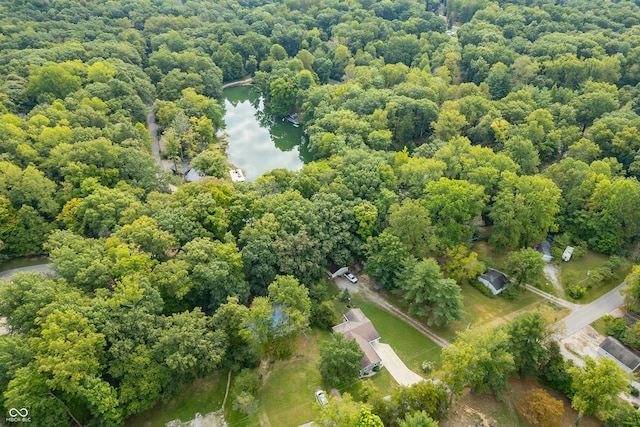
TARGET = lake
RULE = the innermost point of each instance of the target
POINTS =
(258, 141)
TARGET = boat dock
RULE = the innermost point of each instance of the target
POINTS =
(293, 118)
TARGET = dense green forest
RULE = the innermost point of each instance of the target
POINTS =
(504, 120)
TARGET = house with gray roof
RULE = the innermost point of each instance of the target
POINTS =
(357, 326)
(628, 359)
(495, 280)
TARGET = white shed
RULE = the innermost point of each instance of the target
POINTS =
(566, 255)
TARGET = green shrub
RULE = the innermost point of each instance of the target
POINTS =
(511, 292)
(576, 291)
(427, 366)
(482, 288)
(246, 381)
(617, 328)
(324, 315)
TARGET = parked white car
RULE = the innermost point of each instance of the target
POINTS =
(321, 397)
(350, 277)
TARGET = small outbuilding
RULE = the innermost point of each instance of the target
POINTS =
(628, 359)
(495, 280)
(566, 255)
(357, 326)
(236, 175)
(545, 249)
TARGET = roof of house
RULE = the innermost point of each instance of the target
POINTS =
(622, 353)
(497, 279)
(545, 249)
(193, 175)
(370, 355)
(357, 326)
(631, 318)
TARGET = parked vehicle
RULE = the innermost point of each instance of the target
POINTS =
(350, 277)
(321, 397)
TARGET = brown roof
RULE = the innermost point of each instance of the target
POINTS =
(357, 326)
(370, 355)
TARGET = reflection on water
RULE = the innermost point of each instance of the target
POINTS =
(259, 142)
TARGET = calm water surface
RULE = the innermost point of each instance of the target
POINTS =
(258, 141)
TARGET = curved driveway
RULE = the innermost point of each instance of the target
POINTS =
(40, 268)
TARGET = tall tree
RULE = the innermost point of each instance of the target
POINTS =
(283, 96)
(597, 386)
(418, 419)
(385, 259)
(528, 336)
(453, 205)
(292, 298)
(240, 350)
(479, 359)
(525, 265)
(499, 81)
(632, 292)
(278, 320)
(339, 361)
(430, 294)
(347, 412)
(424, 396)
(410, 222)
(524, 210)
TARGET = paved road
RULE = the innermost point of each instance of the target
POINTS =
(591, 312)
(395, 366)
(40, 268)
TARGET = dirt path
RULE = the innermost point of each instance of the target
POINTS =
(552, 273)
(554, 299)
(366, 291)
(156, 145)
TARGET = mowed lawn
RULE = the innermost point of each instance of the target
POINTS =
(575, 272)
(204, 395)
(412, 347)
(480, 310)
(287, 396)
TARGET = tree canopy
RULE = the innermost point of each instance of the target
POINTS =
(520, 121)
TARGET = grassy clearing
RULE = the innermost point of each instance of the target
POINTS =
(480, 310)
(600, 326)
(287, 395)
(487, 255)
(575, 272)
(412, 347)
(204, 395)
(383, 381)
